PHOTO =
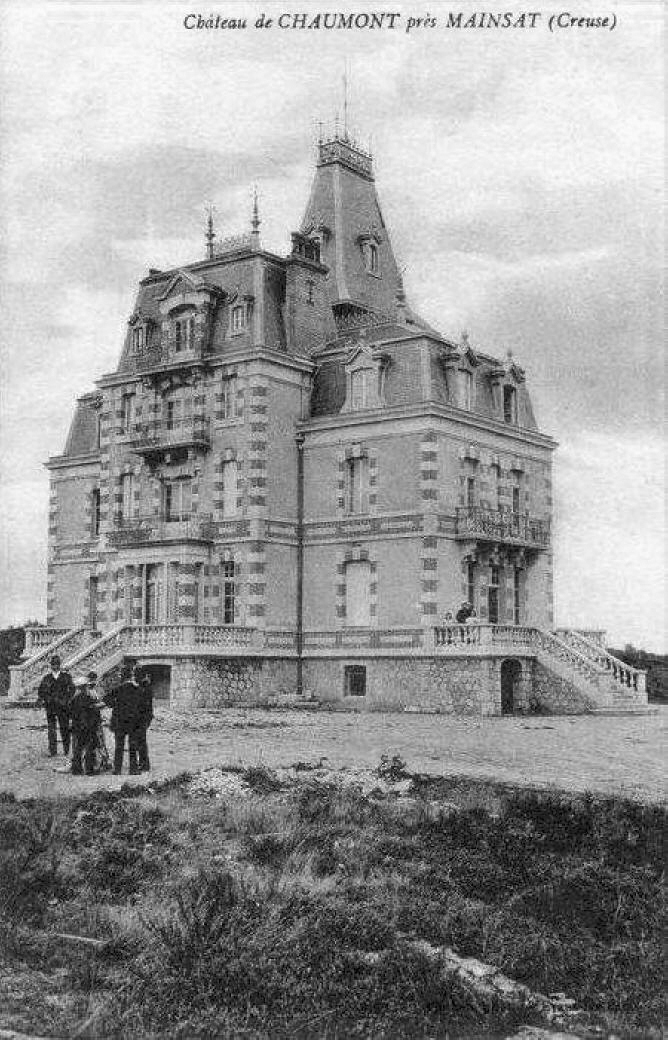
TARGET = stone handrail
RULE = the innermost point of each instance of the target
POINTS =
(364, 638)
(40, 637)
(112, 642)
(568, 655)
(157, 638)
(623, 674)
(23, 677)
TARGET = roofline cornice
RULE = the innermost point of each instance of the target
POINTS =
(243, 253)
(426, 410)
(277, 357)
(66, 461)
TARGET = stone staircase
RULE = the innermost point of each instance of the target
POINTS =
(24, 678)
(624, 685)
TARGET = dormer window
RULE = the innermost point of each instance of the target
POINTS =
(372, 258)
(360, 382)
(237, 319)
(184, 334)
(138, 339)
(510, 405)
(468, 390)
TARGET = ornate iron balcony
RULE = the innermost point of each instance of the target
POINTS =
(163, 435)
(494, 525)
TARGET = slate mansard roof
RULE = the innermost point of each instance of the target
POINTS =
(342, 226)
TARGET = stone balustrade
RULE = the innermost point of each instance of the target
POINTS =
(24, 678)
(143, 530)
(623, 674)
(40, 637)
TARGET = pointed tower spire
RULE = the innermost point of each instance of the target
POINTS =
(255, 221)
(209, 236)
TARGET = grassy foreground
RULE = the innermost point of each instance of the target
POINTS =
(268, 908)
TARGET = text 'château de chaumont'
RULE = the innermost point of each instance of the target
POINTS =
(374, 20)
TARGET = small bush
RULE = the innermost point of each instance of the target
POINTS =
(392, 769)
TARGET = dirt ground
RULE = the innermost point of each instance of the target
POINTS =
(621, 754)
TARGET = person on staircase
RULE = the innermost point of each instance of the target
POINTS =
(55, 692)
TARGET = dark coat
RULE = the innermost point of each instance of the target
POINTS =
(56, 694)
(85, 714)
(131, 705)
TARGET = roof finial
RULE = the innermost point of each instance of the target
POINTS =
(255, 221)
(209, 236)
(345, 98)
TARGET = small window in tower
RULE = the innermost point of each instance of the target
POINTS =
(310, 286)
(237, 319)
(510, 405)
(138, 339)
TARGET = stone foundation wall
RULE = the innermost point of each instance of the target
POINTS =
(554, 694)
(461, 686)
(221, 682)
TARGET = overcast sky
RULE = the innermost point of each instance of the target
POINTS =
(520, 173)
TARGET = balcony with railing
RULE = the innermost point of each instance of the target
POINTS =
(148, 530)
(495, 525)
(163, 435)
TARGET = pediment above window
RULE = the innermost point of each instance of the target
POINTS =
(365, 371)
(187, 290)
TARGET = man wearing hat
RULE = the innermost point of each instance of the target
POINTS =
(86, 719)
(132, 712)
(55, 692)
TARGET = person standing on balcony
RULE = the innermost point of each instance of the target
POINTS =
(55, 692)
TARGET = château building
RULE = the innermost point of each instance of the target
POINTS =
(290, 480)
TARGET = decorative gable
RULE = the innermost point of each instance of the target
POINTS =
(365, 371)
(187, 291)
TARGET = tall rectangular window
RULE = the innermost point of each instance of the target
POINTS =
(237, 318)
(468, 390)
(138, 339)
(178, 499)
(229, 398)
(128, 401)
(470, 583)
(354, 680)
(470, 492)
(229, 592)
(517, 592)
(359, 388)
(357, 498)
(95, 512)
(358, 595)
(510, 404)
(128, 508)
(230, 472)
(184, 334)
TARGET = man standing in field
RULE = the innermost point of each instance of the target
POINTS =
(132, 711)
(56, 691)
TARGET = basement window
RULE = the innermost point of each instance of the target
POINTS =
(355, 680)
